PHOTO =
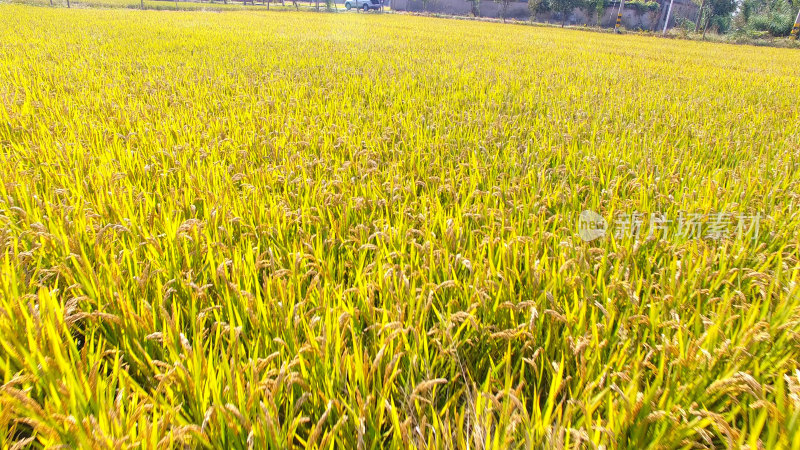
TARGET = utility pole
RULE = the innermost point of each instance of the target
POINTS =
(619, 16)
(796, 28)
(669, 11)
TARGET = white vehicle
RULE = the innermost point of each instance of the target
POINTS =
(366, 5)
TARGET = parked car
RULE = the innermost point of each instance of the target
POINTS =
(366, 5)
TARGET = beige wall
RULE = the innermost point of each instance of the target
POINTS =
(631, 18)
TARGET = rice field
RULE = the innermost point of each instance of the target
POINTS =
(187, 5)
(254, 229)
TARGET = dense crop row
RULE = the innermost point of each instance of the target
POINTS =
(189, 5)
(250, 229)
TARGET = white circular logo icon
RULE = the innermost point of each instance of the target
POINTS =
(591, 225)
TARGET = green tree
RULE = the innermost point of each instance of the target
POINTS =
(595, 8)
(718, 14)
(533, 7)
(504, 10)
(476, 7)
(700, 13)
(564, 7)
(775, 17)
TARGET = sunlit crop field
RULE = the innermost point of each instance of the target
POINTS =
(189, 5)
(278, 229)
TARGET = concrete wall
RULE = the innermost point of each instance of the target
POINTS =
(631, 18)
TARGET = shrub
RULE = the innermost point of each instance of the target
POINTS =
(642, 5)
(775, 23)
